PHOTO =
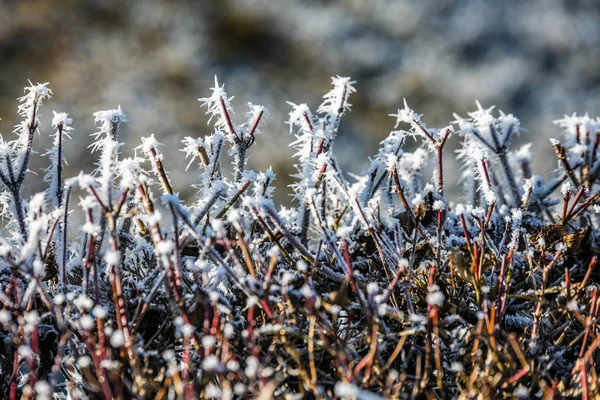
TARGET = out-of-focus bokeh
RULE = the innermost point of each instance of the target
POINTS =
(537, 59)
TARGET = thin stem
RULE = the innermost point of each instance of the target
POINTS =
(255, 123)
(562, 156)
(59, 186)
(510, 177)
(63, 264)
(240, 160)
(32, 128)
(234, 199)
(160, 170)
(227, 119)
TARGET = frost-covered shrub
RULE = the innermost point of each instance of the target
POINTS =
(370, 286)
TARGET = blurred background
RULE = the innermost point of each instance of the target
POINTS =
(537, 59)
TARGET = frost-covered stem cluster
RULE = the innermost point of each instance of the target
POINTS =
(16, 154)
(436, 139)
(490, 137)
(373, 285)
(242, 137)
(107, 141)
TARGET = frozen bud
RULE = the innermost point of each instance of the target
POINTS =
(573, 306)
(287, 278)
(38, 267)
(5, 317)
(344, 232)
(32, 319)
(439, 205)
(418, 318)
(91, 229)
(107, 118)
(148, 145)
(273, 252)
(436, 298)
(251, 301)
(521, 392)
(372, 288)
(404, 263)
(336, 100)
(229, 331)
(84, 181)
(42, 390)
(251, 367)
(239, 389)
(210, 363)
(213, 296)
(117, 339)
(561, 247)
(456, 367)
(418, 200)
(110, 364)
(566, 188)
(87, 203)
(346, 390)
(25, 351)
(37, 202)
(406, 115)
(298, 117)
(208, 341)
(164, 247)
(217, 225)
(84, 362)
(100, 312)
(168, 355)
(112, 257)
(213, 391)
(83, 302)
(155, 217)
(59, 299)
(234, 217)
(307, 291)
(233, 365)
(391, 161)
(301, 265)
(188, 330)
(86, 322)
(4, 250)
(202, 265)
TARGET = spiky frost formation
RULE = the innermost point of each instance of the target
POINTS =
(372, 287)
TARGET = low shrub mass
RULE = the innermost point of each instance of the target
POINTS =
(372, 286)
